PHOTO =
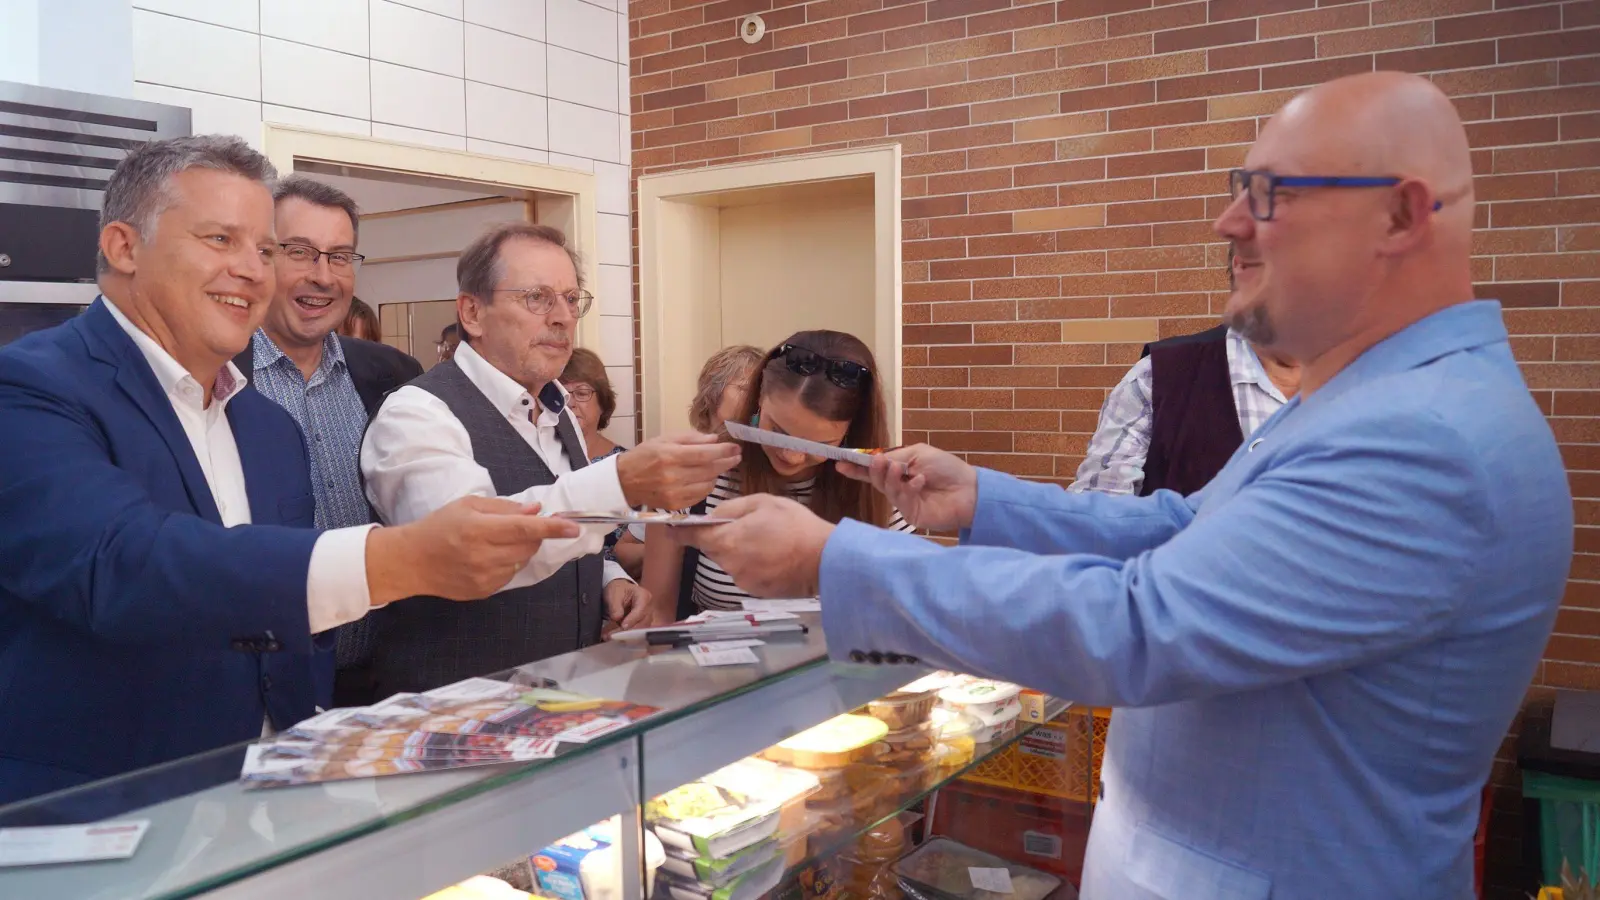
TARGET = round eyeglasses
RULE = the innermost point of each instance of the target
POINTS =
(541, 300)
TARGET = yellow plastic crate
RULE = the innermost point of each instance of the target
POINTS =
(1060, 758)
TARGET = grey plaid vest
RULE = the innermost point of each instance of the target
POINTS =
(427, 642)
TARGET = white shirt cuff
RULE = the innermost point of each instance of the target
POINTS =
(336, 585)
(598, 483)
(612, 570)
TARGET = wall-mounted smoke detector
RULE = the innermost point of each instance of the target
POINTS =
(751, 28)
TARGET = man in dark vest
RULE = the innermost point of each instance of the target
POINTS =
(1182, 410)
(493, 420)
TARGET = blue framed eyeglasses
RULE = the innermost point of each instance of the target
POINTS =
(1261, 186)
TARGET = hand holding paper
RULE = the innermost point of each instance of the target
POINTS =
(932, 489)
(772, 549)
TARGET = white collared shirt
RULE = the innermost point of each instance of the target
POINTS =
(417, 457)
(1115, 460)
(336, 585)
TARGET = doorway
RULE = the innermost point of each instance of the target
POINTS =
(753, 252)
(421, 206)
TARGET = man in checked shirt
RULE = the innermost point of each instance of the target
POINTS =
(1182, 410)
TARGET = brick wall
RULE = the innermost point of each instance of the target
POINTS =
(1063, 162)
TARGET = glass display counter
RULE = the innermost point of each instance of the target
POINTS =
(406, 836)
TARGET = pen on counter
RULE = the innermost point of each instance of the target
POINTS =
(684, 636)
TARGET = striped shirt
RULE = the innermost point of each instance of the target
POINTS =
(713, 589)
(1115, 461)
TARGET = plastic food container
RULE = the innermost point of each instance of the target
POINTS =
(885, 842)
(868, 790)
(1000, 727)
(837, 742)
(940, 869)
(901, 710)
(981, 697)
(954, 753)
(909, 748)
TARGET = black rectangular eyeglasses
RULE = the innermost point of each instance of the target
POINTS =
(1261, 186)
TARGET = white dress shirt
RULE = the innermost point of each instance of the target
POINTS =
(336, 585)
(417, 457)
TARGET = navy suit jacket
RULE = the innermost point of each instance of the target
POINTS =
(134, 627)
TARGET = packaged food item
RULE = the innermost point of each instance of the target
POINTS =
(831, 785)
(814, 882)
(903, 709)
(870, 790)
(717, 872)
(980, 696)
(954, 753)
(1033, 703)
(999, 725)
(588, 865)
(942, 869)
(749, 886)
(908, 748)
(768, 782)
(884, 842)
(837, 742)
(868, 880)
(709, 820)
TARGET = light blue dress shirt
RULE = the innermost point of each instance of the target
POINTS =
(1319, 653)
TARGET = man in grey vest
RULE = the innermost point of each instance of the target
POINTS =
(493, 421)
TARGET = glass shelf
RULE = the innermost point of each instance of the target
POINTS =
(406, 836)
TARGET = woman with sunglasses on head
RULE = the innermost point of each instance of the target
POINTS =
(816, 385)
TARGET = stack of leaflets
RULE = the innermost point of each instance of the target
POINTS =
(476, 722)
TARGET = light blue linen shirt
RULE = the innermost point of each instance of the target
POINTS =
(1321, 650)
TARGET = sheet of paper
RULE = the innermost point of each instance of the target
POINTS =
(790, 442)
(738, 656)
(71, 843)
(716, 615)
(475, 689)
(588, 731)
(648, 518)
(807, 604)
(996, 880)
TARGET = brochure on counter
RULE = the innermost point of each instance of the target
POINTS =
(471, 723)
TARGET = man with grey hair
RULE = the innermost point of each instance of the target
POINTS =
(162, 591)
(493, 420)
(329, 384)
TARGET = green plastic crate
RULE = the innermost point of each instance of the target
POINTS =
(1569, 823)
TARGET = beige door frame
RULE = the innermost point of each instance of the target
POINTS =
(567, 198)
(678, 300)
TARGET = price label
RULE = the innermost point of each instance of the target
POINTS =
(995, 880)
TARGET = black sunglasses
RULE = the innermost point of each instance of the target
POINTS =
(842, 372)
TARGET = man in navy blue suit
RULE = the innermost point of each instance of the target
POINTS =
(162, 590)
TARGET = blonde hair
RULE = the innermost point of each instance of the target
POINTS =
(725, 367)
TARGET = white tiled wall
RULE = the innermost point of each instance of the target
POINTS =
(538, 80)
